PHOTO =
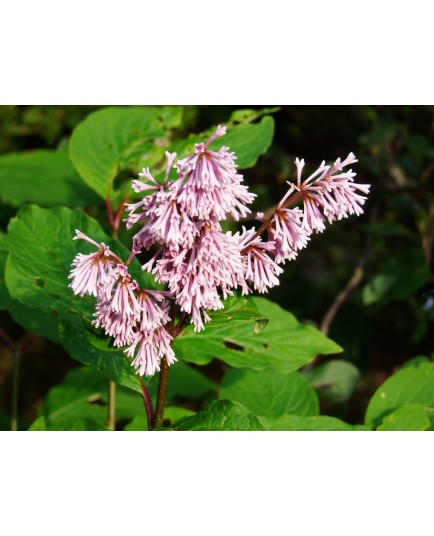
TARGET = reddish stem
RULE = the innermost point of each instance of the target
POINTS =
(109, 209)
(291, 200)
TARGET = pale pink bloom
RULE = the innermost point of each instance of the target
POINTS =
(150, 203)
(91, 270)
(260, 269)
(152, 314)
(287, 232)
(169, 224)
(328, 194)
(195, 276)
(209, 186)
(115, 324)
(152, 347)
(120, 293)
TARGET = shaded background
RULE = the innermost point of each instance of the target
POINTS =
(384, 321)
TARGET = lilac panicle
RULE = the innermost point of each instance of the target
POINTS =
(199, 264)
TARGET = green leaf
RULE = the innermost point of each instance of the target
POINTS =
(74, 425)
(37, 268)
(77, 398)
(31, 319)
(184, 382)
(237, 308)
(221, 415)
(269, 393)
(413, 384)
(171, 413)
(5, 299)
(284, 345)
(116, 139)
(411, 417)
(335, 379)
(318, 424)
(247, 141)
(43, 177)
(82, 395)
(248, 116)
(399, 276)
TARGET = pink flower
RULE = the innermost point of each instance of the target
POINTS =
(328, 194)
(209, 186)
(287, 232)
(120, 293)
(260, 269)
(165, 220)
(152, 314)
(195, 276)
(152, 347)
(115, 324)
(89, 271)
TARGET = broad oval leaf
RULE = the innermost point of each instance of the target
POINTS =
(44, 177)
(114, 139)
(335, 379)
(319, 423)
(285, 344)
(410, 385)
(221, 415)
(411, 417)
(41, 250)
(270, 393)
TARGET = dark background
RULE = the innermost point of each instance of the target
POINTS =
(385, 321)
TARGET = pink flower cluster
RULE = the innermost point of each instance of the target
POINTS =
(199, 263)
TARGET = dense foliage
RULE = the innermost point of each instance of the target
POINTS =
(365, 282)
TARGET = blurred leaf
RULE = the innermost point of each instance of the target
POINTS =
(415, 361)
(398, 277)
(335, 379)
(315, 424)
(73, 425)
(411, 417)
(37, 269)
(5, 299)
(43, 177)
(428, 235)
(113, 139)
(385, 228)
(420, 146)
(412, 384)
(221, 415)
(269, 393)
(77, 398)
(83, 395)
(284, 345)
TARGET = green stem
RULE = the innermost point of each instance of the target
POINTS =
(111, 414)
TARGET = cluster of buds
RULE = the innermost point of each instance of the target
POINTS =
(199, 263)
